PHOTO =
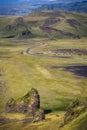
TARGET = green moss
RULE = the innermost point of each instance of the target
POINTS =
(78, 109)
(33, 90)
(11, 102)
(26, 100)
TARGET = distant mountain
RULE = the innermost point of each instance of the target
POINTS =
(79, 6)
(28, 6)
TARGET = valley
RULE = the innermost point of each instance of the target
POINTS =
(46, 50)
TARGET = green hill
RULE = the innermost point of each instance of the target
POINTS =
(49, 24)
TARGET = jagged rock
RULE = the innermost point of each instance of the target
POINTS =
(30, 103)
(39, 115)
(71, 113)
(34, 101)
(10, 105)
(73, 104)
(74, 110)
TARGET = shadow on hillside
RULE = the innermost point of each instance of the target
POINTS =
(77, 70)
(47, 111)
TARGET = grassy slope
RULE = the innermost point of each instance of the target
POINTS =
(77, 124)
(57, 87)
(52, 122)
(36, 19)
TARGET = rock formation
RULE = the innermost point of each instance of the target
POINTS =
(19, 28)
(30, 103)
(74, 110)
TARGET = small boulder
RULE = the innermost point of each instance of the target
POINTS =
(39, 115)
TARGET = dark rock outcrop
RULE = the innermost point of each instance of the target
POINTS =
(18, 27)
(49, 30)
(39, 115)
(51, 21)
(30, 104)
(73, 22)
(74, 110)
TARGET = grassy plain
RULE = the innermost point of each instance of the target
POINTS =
(59, 78)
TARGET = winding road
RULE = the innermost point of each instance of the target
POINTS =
(27, 51)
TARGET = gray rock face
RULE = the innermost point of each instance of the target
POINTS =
(30, 103)
(74, 110)
(39, 115)
(34, 102)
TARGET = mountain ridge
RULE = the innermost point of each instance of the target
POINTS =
(47, 24)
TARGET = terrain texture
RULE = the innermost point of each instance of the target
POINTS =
(46, 50)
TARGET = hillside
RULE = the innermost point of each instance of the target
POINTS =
(46, 51)
(45, 24)
(57, 69)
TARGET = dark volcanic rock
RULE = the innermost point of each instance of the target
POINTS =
(30, 103)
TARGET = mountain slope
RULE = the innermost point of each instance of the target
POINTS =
(79, 123)
(48, 24)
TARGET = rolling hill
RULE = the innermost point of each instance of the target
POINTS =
(45, 24)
